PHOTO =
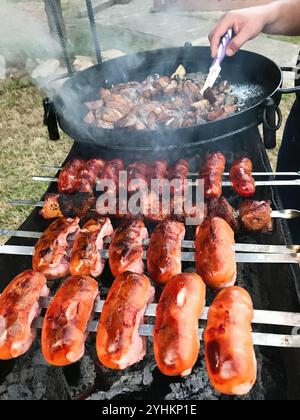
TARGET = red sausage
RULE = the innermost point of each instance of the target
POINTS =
(211, 172)
(176, 341)
(241, 177)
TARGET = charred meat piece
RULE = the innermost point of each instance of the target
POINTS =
(51, 208)
(241, 178)
(256, 215)
(211, 172)
(126, 248)
(112, 170)
(65, 325)
(164, 251)
(158, 170)
(19, 307)
(90, 173)
(69, 177)
(52, 251)
(219, 207)
(60, 205)
(137, 172)
(179, 171)
(85, 258)
(119, 344)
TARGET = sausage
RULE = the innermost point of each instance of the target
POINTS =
(164, 251)
(219, 207)
(158, 170)
(85, 258)
(19, 307)
(69, 177)
(51, 253)
(214, 253)
(241, 177)
(91, 171)
(256, 216)
(126, 248)
(137, 171)
(211, 172)
(119, 344)
(176, 341)
(229, 352)
(180, 172)
(66, 321)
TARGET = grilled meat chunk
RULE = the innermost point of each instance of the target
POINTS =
(85, 258)
(211, 172)
(256, 215)
(241, 177)
(69, 177)
(126, 248)
(219, 207)
(179, 171)
(164, 251)
(137, 171)
(60, 205)
(19, 307)
(119, 344)
(51, 253)
(66, 321)
(51, 208)
(214, 253)
(89, 175)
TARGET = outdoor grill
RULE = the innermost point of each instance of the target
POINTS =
(274, 287)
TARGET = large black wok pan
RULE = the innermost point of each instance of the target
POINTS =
(245, 67)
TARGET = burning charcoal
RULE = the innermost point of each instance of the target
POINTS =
(90, 118)
(94, 105)
(215, 114)
(210, 96)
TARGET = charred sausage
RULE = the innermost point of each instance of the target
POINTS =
(211, 172)
(176, 340)
(241, 177)
(229, 352)
(214, 253)
(164, 251)
(85, 258)
(66, 321)
(51, 253)
(119, 344)
(126, 248)
(219, 207)
(19, 307)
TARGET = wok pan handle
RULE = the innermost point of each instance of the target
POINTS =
(295, 89)
(50, 120)
(270, 126)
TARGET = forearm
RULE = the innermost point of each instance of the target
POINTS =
(282, 17)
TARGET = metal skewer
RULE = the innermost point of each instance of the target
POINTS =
(276, 214)
(244, 258)
(255, 248)
(293, 182)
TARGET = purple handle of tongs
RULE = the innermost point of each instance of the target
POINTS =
(223, 47)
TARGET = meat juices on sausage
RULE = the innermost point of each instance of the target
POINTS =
(119, 344)
(66, 321)
(229, 351)
(164, 251)
(176, 340)
(215, 254)
(51, 253)
(85, 258)
(126, 248)
(19, 307)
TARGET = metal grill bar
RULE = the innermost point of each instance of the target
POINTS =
(90, 10)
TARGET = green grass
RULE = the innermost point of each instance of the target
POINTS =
(24, 147)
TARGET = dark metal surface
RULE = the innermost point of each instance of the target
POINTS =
(272, 287)
(91, 16)
(245, 67)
